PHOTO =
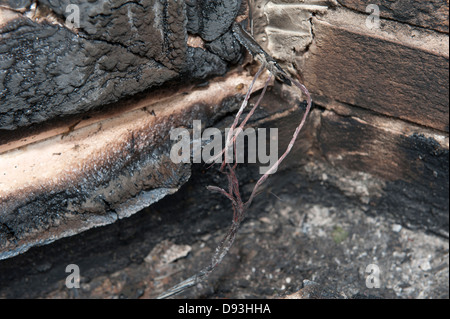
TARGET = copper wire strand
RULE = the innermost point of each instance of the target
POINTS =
(233, 194)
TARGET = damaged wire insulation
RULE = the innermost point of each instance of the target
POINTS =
(233, 194)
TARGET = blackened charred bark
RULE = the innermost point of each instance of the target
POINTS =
(48, 71)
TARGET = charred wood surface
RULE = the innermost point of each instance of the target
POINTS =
(85, 116)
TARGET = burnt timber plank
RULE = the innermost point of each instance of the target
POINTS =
(103, 170)
(388, 71)
(50, 71)
(432, 14)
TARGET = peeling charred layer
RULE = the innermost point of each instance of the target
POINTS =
(49, 72)
(115, 183)
(211, 20)
(63, 74)
(413, 67)
(102, 171)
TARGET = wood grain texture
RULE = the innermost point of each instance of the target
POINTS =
(432, 14)
(388, 71)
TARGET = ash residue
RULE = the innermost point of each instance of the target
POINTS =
(290, 236)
